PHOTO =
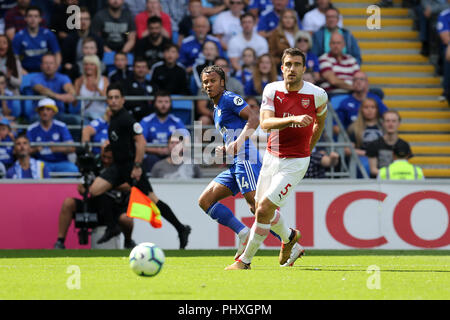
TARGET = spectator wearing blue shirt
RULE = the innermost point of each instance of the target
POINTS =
(49, 130)
(97, 131)
(31, 43)
(6, 155)
(269, 19)
(443, 28)
(348, 108)
(256, 7)
(25, 166)
(321, 38)
(192, 45)
(57, 86)
(158, 127)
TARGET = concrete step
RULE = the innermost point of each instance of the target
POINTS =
(405, 80)
(430, 160)
(392, 51)
(411, 91)
(389, 45)
(385, 35)
(362, 11)
(436, 173)
(387, 58)
(431, 150)
(363, 3)
(424, 127)
(426, 104)
(388, 22)
(397, 68)
(428, 138)
(440, 115)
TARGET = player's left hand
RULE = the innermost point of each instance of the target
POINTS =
(136, 173)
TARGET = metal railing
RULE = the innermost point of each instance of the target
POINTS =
(348, 171)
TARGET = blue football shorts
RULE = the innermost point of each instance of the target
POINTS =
(242, 177)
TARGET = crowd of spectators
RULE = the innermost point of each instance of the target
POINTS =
(151, 46)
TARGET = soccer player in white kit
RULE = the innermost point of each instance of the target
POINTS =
(294, 111)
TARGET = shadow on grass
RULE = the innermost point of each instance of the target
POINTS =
(95, 253)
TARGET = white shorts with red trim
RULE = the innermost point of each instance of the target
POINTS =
(279, 177)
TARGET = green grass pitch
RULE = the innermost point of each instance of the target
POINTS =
(199, 275)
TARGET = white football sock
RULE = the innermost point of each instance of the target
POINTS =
(243, 232)
(258, 233)
(279, 227)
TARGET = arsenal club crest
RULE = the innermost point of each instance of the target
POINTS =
(305, 102)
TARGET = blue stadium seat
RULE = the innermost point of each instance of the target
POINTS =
(26, 90)
(337, 99)
(183, 110)
(108, 60)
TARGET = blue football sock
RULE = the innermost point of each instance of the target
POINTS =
(225, 217)
(275, 235)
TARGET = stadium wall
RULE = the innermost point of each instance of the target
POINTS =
(332, 214)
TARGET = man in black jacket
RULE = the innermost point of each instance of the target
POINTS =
(72, 44)
(139, 85)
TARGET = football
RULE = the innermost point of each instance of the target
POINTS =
(146, 259)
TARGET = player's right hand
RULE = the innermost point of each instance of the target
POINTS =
(220, 151)
(303, 120)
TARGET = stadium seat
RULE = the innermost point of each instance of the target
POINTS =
(108, 60)
(183, 110)
(26, 90)
(337, 99)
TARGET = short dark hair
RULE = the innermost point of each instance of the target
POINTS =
(216, 69)
(154, 19)
(31, 8)
(162, 93)
(22, 135)
(139, 59)
(115, 86)
(121, 53)
(170, 46)
(293, 52)
(247, 14)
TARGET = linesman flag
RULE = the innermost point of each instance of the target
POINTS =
(141, 207)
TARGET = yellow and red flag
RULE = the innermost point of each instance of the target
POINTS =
(141, 207)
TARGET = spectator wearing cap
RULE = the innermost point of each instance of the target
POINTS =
(47, 130)
(380, 151)
(401, 169)
(25, 166)
(6, 156)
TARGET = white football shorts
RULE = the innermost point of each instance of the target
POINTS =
(279, 177)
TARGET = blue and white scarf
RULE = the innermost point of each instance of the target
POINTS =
(36, 166)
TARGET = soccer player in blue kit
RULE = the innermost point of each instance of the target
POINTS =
(236, 122)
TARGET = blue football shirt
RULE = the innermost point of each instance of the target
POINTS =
(58, 132)
(31, 49)
(101, 132)
(156, 131)
(229, 123)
